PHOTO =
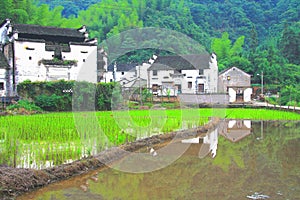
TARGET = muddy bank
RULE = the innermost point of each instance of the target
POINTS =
(15, 181)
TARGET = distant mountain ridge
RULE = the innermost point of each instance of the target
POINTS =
(213, 17)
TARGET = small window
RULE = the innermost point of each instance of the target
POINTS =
(83, 60)
(190, 84)
(189, 77)
(154, 72)
(122, 73)
(1, 86)
(111, 80)
(30, 58)
(154, 87)
(28, 48)
(200, 71)
(123, 83)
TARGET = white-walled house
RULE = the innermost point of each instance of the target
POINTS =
(187, 74)
(120, 72)
(237, 84)
(128, 75)
(41, 53)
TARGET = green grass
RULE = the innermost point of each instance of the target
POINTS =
(69, 136)
(260, 114)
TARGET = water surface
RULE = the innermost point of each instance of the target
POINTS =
(240, 159)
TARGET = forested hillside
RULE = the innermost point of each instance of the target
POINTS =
(254, 35)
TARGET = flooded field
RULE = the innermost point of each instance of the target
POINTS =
(42, 141)
(241, 159)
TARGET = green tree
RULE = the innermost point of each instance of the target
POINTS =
(290, 43)
(226, 51)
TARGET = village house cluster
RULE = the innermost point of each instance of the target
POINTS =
(39, 53)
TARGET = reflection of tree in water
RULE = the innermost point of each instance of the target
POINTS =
(230, 153)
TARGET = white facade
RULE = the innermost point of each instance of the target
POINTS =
(38, 53)
(28, 56)
(168, 81)
(126, 77)
(188, 81)
(237, 84)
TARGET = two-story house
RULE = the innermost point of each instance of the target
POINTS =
(41, 53)
(188, 74)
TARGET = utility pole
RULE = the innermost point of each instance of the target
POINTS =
(262, 82)
(140, 85)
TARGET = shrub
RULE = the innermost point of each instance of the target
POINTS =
(24, 105)
(49, 103)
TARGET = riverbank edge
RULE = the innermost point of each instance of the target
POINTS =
(17, 181)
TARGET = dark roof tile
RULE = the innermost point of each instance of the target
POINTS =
(47, 30)
(181, 62)
(122, 67)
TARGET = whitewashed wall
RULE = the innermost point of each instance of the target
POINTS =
(86, 69)
(190, 76)
(247, 94)
(232, 95)
(30, 69)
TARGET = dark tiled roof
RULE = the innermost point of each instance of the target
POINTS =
(235, 71)
(122, 67)
(47, 30)
(181, 62)
(3, 61)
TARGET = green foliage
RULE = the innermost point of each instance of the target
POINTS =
(24, 104)
(228, 53)
(104, 95)
(67, 95)
(83, 98)
(290, 43)
(146, 95)
(257, 36)
(116, 98)
(49, 103)
(290, 95)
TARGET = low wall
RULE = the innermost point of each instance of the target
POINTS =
(213, 98)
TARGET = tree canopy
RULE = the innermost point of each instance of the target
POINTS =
(254, 35)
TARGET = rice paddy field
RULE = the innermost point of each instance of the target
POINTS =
(45, 140)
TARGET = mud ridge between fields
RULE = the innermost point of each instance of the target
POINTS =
(16, 181)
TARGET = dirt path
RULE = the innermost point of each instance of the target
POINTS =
(16, 181)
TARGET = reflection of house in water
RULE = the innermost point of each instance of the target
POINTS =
(235, 130)
(209, 145)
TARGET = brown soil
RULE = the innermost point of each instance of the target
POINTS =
(16, 181)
